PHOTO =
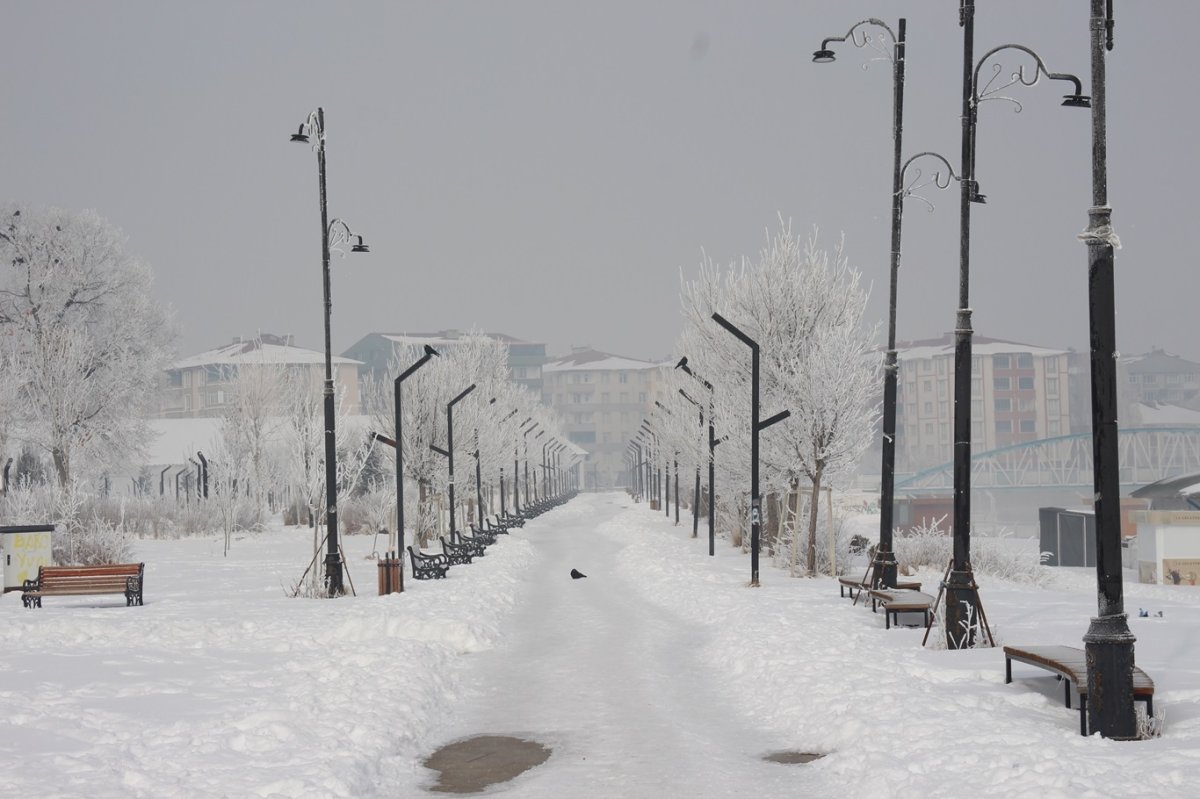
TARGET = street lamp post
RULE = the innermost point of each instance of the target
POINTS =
(675, 466)
(430, 352)
(1109, 641)
(962, 594)
(885, 562)
(755, 428)
(333, 234)
(696, 490)
(449, 453)
(712, 451)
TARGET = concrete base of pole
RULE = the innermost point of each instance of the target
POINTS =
(962, 610)
(333, 575)
(883, 569)
(1109, 647)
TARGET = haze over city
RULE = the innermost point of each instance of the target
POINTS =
(547, 170)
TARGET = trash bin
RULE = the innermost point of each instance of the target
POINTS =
(24, 548)
(389, 574)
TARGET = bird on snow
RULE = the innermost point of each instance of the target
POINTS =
(576, 574)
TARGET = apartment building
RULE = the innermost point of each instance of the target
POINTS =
(602, 399)
(206, 385)
(376, 351)
(1019, 392)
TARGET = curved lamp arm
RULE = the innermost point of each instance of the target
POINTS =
(862, 39)
(991, 90)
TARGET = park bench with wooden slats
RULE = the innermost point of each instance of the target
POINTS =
(900, 600)
(114, 578)
(428, 567)
(1069, 664)
(856, 587)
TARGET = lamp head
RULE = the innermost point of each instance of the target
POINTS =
(360, 247)
(300, 135)
(824, 57)
(430, 351)
(1077, 101)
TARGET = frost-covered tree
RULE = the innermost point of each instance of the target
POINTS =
(87, 339)
(805, 310)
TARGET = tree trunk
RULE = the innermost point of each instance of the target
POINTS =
(62, 465)
(794, 518)
(812, 519)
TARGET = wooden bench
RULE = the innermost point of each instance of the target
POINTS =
(1069, 664)
(115, 578)
(428, 567)
(456, 554)
(856, 587)
(900, 600)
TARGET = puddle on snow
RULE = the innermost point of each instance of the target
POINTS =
(473, 764)
(792, 758)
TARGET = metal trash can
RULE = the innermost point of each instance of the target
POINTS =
(389, 574)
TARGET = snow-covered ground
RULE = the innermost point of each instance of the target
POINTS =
(660, 675)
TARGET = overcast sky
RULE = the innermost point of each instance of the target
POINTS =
(546, 169)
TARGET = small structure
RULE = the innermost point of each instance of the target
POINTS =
(1168, 546)
(1068, 537)
(23, 549)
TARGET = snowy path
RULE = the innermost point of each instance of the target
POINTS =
(614, 684)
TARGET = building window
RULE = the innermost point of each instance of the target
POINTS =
(1003, 425)
(1052, 408)
(1052, 428)
(1051, 386)
(1028, 426)
(583, 437)
(927, 385)
(175, 378)
(1025, 361)
(1025, 384)
(604, 397)
(929, 429)
(1025, 405)
(623, 377)
(1000, 384)
(928, 408)
(586, 377)
(977, 431)
(519, 372)
(624, 396)
(976, 386)
(1000, 362)
(977, 407)
(1003, 405)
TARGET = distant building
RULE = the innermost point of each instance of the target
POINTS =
(1160, 378)
(376, 351)
(602, 399)
(1019, 392)
(206, 384)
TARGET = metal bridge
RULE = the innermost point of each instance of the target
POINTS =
(1147, 454)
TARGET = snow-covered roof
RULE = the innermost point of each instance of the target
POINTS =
(1166, 415)
(980, 345)
(447, 337)
(594, 360)
(253, 352)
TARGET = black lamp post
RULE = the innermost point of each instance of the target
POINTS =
(430, 352)
(525, 447)
(712, 451)
(885, 562)
(333, 234)
(755, 428)
(667, 411)
(449, 453)
(1108, 642)
(537, 496)
(516, 475)
(696, 490)
(962, 594)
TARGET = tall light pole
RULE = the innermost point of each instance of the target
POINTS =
(712, 451)
(962, 594)
(333, 234)
(885, 562)
(430, 352)
(1109, 641)
(449, 452)
(755, 428)
(696, 491)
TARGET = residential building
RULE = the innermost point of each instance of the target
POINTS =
(602, 399)
(1153, 389)
(376, 351)
(206, 384)
(1019, 392)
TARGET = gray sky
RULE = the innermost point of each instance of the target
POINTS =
(546, 168)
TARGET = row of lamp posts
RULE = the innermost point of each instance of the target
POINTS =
(1109, 642)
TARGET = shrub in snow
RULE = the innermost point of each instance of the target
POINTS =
(928, 546)
(82, 534)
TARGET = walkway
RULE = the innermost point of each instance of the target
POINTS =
(610, 684)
